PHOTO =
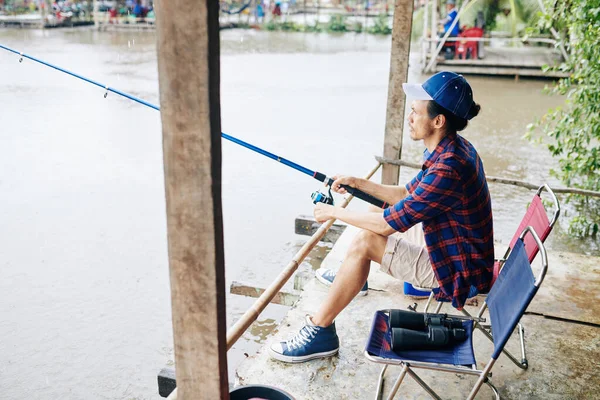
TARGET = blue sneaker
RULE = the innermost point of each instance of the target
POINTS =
(326, 277)
(311, 342)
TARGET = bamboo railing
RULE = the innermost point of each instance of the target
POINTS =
(494, 179)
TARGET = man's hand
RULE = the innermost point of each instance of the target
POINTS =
(342, 180)
(323, 212)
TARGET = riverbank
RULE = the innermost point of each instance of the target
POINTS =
(562, 327)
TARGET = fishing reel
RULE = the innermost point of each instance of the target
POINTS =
(320, 197)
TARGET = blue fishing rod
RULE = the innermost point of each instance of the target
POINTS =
(316, 196)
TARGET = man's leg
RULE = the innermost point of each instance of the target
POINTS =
(352, 275)
(318, 337)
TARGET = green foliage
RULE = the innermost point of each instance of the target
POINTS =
(528, 11)
(575, 127)
(381, 26)
(490, 13)
(285, 26)
(337, 23)
(288, 26)
(313, 28)
(271, 26)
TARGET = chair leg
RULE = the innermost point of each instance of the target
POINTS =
(521, 364)
(429, 300)
(424, 385)
(483, 378)
(405, 368)
(439, 307)
(380, 383)
(524, 363)
(496, 393)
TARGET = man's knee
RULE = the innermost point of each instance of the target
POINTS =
(364, 242)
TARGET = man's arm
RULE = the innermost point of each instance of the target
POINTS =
(438, 192)
(372, 221)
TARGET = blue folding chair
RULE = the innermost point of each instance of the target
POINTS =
(507, 301)
(536, 216)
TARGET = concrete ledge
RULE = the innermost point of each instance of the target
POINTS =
(283, 298)
(563, 357)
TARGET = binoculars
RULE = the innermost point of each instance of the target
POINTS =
(417, 331)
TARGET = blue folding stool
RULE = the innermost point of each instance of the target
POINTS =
(507, 301)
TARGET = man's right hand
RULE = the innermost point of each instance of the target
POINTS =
(339, 180)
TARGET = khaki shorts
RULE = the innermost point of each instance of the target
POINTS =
(406, 258)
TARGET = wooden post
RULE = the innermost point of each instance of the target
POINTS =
(394, 122)
(434, 29)
(94, 13)
(305, 23)
(188, 69)
(43, 12)
(424, 42)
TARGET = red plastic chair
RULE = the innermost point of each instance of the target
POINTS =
(468, 48)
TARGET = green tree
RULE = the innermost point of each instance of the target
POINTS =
(575, 127)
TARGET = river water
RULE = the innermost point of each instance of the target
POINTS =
(84, 290)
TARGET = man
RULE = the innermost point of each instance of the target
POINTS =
(451, 15)
(449, 196)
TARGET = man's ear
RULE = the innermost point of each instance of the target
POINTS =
(439, 121)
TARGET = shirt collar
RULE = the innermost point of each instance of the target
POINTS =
(439, 149)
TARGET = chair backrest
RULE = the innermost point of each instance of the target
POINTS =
(513, 290)
(536, 217)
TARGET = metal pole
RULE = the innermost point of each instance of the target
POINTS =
(394, 123)
(190, 111)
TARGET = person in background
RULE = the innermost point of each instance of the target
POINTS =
(277, 9)
(260, 12)
(451, 15)
(138, 10)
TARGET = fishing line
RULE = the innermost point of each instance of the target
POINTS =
(317, 196)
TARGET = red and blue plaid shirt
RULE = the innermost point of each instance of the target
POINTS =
(450, 196)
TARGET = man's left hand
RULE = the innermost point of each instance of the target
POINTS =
(323, 212)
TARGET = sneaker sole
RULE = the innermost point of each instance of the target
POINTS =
(328, 284)
(301, 359)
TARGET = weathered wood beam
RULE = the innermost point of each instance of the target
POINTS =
(188, 70)
(394, 121)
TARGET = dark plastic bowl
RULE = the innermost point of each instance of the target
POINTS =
(260, 391)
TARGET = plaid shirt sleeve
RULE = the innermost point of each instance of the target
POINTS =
(410, 186)
(437, 192)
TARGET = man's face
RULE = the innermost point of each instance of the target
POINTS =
(419, 123)
(449, 7)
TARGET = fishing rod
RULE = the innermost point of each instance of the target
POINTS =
(316, 196)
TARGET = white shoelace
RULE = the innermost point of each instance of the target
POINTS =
(306, 334)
